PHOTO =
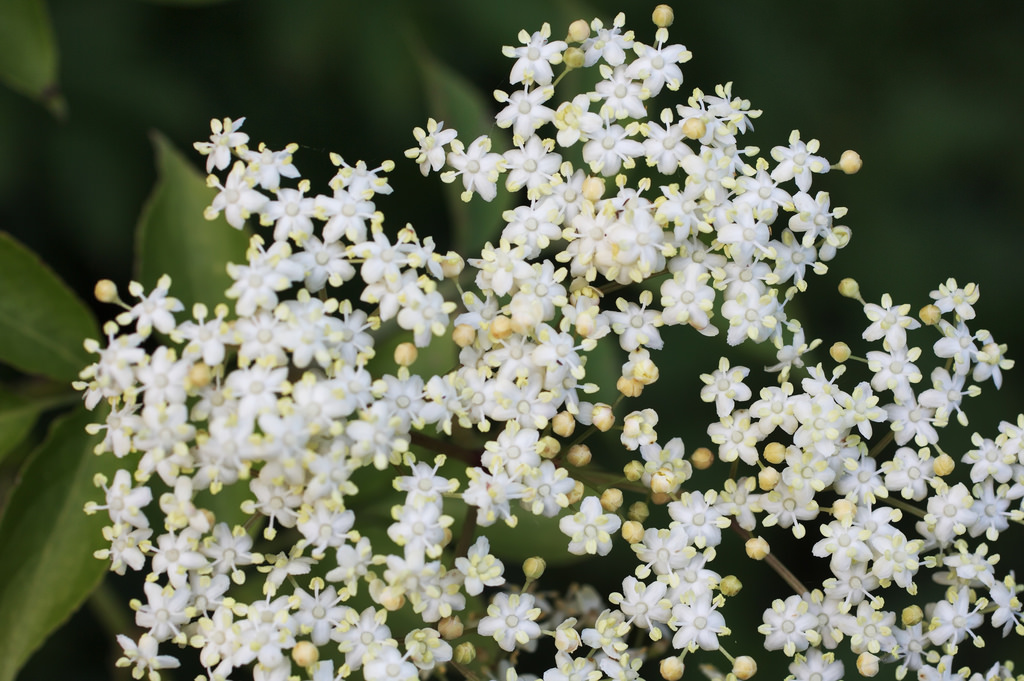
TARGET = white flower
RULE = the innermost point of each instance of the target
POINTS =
(430, 153)
(511, 620)
(590, 530)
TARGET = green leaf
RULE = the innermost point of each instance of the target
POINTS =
(48, 541)
(28, 53)
(462, 106)
(183, 3)
(19, 413)
(174, 238)
(42, 322)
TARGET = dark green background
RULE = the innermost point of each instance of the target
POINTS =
(929, 93)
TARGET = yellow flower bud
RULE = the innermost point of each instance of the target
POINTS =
(603, 417)
(702, 458)
(406, 354)
(694, 128)
(850, 162)
(671, 668)
(464, 653)
(867, 664)
(611, 499)
(663, 16)
(579, 31)
(630, 387)
(911, 615)
(463, 335)
(593, 188)
(564, 424)
(634, 470)
(849, 288)
(534, 567)
(840, 352)
(730, 585)
(632, 531)
(930, 315)
(757, 548)
(768, 478)
(305, 654)
(578, 455)
(744, 667)
(450, 628)
(775, 452)
(105, 291)
(573, 57)
(639, 511)
(943, 465)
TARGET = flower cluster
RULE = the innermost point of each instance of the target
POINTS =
(285, 403)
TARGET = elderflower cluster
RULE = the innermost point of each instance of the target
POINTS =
(362, 487)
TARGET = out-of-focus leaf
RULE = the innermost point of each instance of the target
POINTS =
(42, 323)
(48, 541)
(184, 3)
(18, 414)
(174, 238)
(462, 106)
(28, 52)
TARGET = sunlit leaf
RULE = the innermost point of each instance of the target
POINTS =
(48, 541)
(28, 52)
(42, 323)
(174, 238)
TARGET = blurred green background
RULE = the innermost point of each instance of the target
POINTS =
(930, 94)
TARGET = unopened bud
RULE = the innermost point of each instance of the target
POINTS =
(840, 352)
(406, 354)
(576, 494)
(305, 654)
(567, 639)
(603, 417)
(611, 499)
(574, 57)
(632, 531)
(663, 481)
(757, 548)
(533, 568)
(843, 510)
(464, 653)
(659, 499)
(548, 447)
(930, 315)
(579, 31)
(702, 458)
(744, 667)
(867, 664)
(768, 478)
(105, 291)
(564, 424)
(849, 288)
(634, 470)
(850, 162)
(671, 668)
(694, 128)
(943, 465)
(630, 387)
(775, 452)
(578, 455)
(663, 16)
(639, 511)
(199, 376)
(911, 615)
(593, 188)
(501, 327)
(463, 335)
(452, 265)
(730, 585)
(450, 627)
